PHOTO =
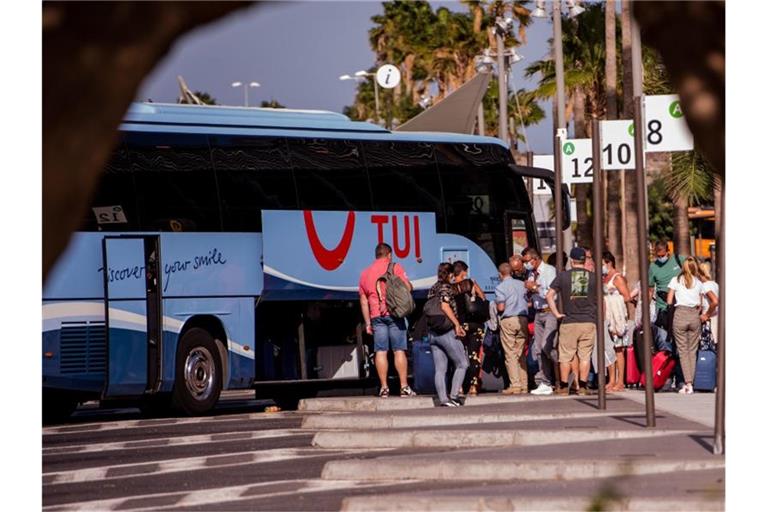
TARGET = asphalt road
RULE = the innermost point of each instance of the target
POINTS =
(238, 458)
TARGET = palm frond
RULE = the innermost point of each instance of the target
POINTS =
(690, 178)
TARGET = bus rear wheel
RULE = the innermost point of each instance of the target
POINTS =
(198, 373)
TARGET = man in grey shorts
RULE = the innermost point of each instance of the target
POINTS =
(539, 280)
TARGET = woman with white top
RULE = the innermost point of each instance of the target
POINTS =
(615, 296)
(686, 291)
(710, 288)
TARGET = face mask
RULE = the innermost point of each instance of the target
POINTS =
(528, 266)
(662, 259)
(605, 270)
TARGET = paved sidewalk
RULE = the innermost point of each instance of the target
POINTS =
(519, 453)
(698, 407)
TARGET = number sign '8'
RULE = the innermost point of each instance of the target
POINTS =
(666, 129)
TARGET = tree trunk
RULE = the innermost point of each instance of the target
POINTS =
(682, 234)
(690, 37)
(95, 57)
(631, 256)
(613, 179)
(584, 226)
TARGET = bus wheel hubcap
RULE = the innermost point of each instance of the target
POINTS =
(199, 373)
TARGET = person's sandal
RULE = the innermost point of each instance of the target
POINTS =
(407, 391)
(384, 393)
(472, 390)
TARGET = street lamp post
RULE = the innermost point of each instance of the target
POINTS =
(365, 75)
(245, 89)
(541, 12)
(485, 65)
(372, 76)
(503, 91)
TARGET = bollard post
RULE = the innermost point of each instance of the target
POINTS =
(642, 242)
(597, 255)
(719, 444)
(558, 196)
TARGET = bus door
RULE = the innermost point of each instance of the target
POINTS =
(133, 315)
(519, 232)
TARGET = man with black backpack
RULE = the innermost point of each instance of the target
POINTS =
(385, 300)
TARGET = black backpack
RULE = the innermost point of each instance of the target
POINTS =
(437, 321)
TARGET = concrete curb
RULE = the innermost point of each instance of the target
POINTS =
(467, 438)
(462, 417)
(480, 503)
(505, 469)
(371, 404)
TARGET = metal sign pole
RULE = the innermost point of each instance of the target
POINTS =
(597, 219)
(529, 180)
(642, 250)
(719, 445)
(558, 196)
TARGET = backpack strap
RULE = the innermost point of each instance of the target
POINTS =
(677, 259)
(388, 273)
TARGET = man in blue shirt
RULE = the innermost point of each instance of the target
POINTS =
(512, 306)
(545, 323)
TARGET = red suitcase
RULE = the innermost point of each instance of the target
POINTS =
(633, 372)
(663, 364)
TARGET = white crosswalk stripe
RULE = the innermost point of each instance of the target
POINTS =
(219, 437)
(188, 464)
(170, 422)
(218, 495)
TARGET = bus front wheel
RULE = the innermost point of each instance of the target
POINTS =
(198, 373)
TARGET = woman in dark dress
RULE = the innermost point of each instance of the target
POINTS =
(466, 290)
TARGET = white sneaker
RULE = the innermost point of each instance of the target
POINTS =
(543, 389)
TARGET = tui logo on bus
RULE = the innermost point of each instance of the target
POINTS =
(329, 259)
(332, 258)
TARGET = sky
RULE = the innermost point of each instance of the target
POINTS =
(297, 51)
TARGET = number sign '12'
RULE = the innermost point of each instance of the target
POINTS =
(576, 158)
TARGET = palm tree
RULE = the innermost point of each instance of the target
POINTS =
(584, 62)
(433, 49)
(528, 114)
(613, 179)
(273, 103)
(690, 180)
(631, 254)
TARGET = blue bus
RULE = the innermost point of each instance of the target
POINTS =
(224, 245)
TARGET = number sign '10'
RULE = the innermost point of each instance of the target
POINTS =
(618, 143)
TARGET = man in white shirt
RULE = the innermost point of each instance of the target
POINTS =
(545, 323)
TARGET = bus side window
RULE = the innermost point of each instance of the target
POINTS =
(471, 203)
(253, 174)
(175, 185)
(330, 174)
(113, 207)
(404, 177)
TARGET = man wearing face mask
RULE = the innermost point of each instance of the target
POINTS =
(545, 323)
(665, 268)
